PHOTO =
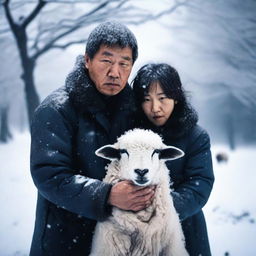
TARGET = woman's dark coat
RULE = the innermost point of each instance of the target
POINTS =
(67, 128)
(192, 176)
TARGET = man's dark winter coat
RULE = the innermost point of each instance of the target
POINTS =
(192, 176)
(67, 128)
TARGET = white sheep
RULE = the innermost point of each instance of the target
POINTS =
(140, 155)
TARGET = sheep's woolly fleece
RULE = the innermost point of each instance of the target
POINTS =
(155, 230)
(138, 140)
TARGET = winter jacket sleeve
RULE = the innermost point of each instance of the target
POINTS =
(52, 167)
(192, 194)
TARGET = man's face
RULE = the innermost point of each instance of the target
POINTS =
(110, 69)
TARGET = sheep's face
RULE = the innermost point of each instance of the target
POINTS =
(140, 160)
(141, 166)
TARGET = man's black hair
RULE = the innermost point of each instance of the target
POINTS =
(111, 34)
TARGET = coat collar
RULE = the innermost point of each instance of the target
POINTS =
(86, 98)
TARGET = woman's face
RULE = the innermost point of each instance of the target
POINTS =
(157, 106)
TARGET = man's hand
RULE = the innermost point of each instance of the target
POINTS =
(126, 196)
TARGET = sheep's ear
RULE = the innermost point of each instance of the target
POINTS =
(108, 152)
(170, 153)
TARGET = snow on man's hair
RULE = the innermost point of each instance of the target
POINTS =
(111, 33)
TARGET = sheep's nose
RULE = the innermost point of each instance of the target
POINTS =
(141, 172)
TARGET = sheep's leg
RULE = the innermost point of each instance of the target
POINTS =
(176, 245)
(99, 243)
(174, 250)
(109, 242)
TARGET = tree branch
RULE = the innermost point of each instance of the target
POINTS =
(5, 30)
(34, 13)
(70, 30)
(95, 16)
(11, 22)
(64, 46)
(237, 37)
(147, 16)
(22, 2)
(171, 10)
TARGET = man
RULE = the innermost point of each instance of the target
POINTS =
(91, 110)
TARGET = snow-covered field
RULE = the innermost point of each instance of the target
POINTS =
(230, 212)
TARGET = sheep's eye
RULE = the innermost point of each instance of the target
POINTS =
(124, 151)
(156, 151)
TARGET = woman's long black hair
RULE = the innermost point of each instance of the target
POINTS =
(169, 80)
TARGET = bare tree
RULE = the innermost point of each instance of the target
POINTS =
(9, 85)
(224, 39)
(45, 27)
(5, 133)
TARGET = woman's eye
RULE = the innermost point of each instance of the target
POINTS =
(146, 99)
(162, 98)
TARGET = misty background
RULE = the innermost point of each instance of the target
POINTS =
(212, 44)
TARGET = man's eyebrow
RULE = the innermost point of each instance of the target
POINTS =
(109, 54)
(106, 53)
(126, 58)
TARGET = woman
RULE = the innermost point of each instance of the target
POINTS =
(163, 108)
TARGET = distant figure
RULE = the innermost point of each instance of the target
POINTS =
(222, 157)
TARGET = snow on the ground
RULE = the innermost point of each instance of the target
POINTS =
(231, 209)
(230, 212)
(17, 197)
